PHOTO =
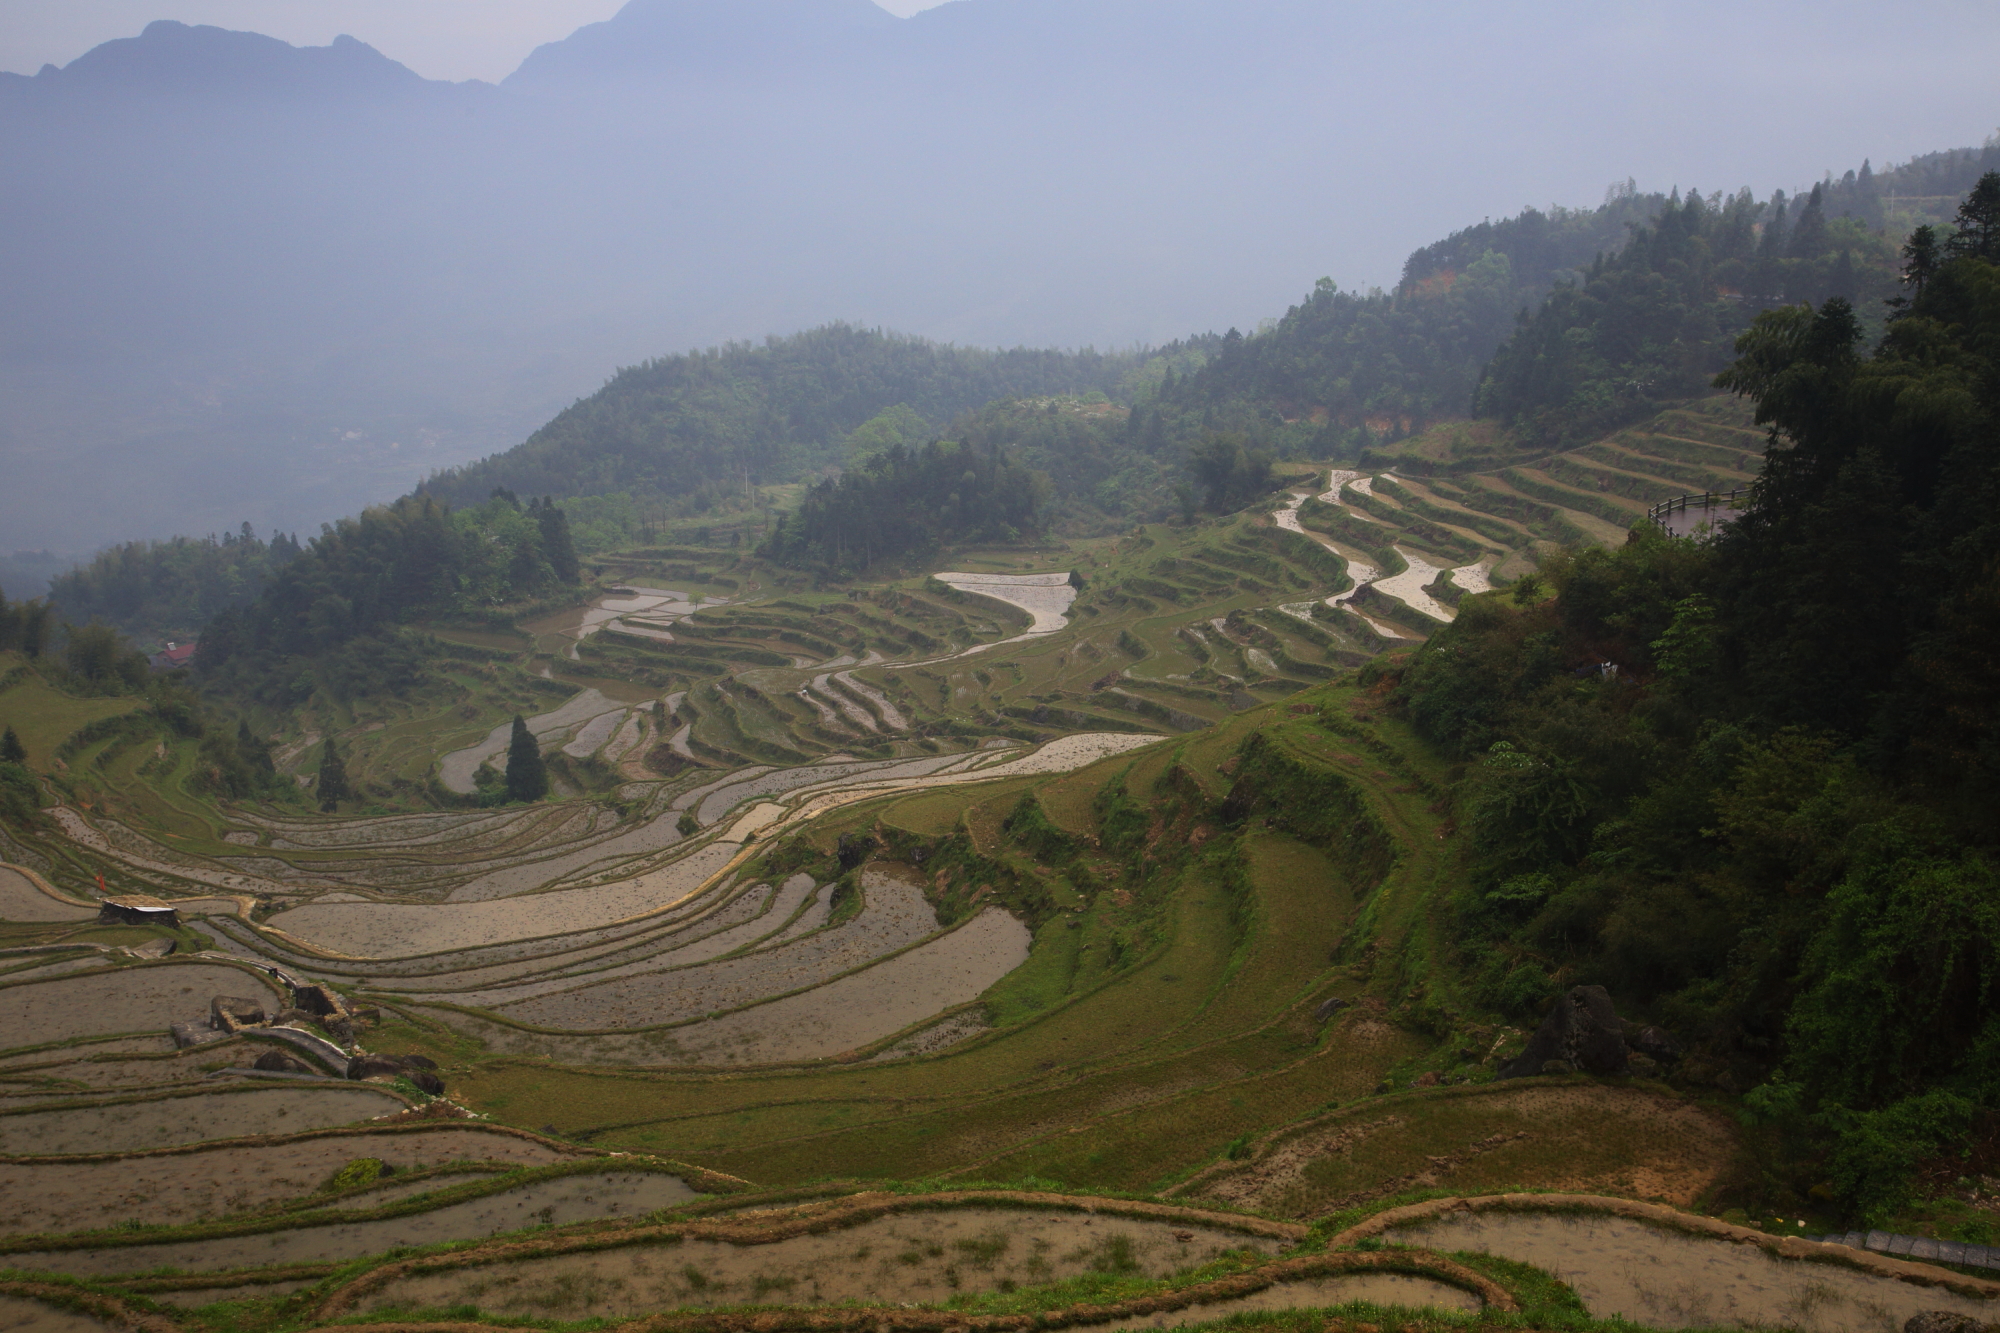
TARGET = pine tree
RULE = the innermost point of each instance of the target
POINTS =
(1809, 232)
(332, 778)
(557, 546)
(11, 749)
(527, 776)
(1978, 222)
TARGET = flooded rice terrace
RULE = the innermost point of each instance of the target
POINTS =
(924, 1257)
(1625, 1269)
(538, 1203)
(205, 1183)
(131, 1126)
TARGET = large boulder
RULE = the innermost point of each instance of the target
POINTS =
(418, 1069)
(1944, 1321)
(374, 1068)
(1655, 1044)
(1582, 1032)
(227, 1013)
(189, 1034)
(278, 1062)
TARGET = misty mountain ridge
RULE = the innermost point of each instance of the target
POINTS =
(272, 283)
(178, 58)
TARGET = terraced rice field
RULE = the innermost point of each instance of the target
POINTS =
(176, 1185)
(893, 1260)
(135, 1124)
(1622, 1268)
(1088, 865)
(554, 1202)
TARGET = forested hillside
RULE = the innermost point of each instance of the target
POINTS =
(324, 620)
(1340, 362)
(1749, 784)
(703, 427)
(158, 589)
(912, 502)
(1653, 322)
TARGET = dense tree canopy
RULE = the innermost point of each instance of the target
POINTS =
(912, 502)
(704, 426)
(363, 576)
(1772, 823)
(171, 588)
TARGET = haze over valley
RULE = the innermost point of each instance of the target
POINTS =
(256, 282)
(1017, 665)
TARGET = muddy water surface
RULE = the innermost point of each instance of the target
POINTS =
(133, 1126)
(1625, 1269)
(167, 1188)
(132, 999)
(542, 1203)
(918, 1257)
(400, 930)
(21, 900)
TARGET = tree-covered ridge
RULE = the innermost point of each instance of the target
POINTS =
(171, 588)
(1748, 784)
(905, 503)
(363, 576)
(704, 426)
(1341, 360)
(1654, 321)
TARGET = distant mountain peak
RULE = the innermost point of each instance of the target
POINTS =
(170, 56)
(652, 37)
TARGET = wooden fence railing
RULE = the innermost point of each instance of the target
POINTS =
(1666, 509)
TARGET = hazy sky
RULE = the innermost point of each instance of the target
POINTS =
(439, 39)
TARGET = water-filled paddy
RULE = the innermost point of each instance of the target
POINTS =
(538, 1203)
(190, 1118)
(865, 1006)
(748, 917)
(920, 1257)
(22, 900)
(828, 1020)
(1626, 1269)
(401, 930)
(895, 915)
(173, 1187)
(455, 770)
(131, 999)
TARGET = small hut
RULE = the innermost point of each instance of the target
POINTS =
(137, 909)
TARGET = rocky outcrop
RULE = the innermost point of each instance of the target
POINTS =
(1944, 1321)
(278, 1062)
(188, 1034)
(1583, 1034)
(418, 1069)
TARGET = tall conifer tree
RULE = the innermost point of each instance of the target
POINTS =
(527, 776)
(332, 785)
